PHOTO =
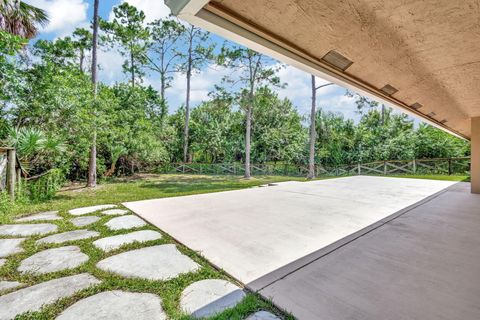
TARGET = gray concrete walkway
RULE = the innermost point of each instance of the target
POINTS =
(251, 233)
(423, 264)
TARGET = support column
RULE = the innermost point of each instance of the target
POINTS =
(11, 173)
(475, 161)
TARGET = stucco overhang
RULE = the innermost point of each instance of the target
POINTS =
(426, 50)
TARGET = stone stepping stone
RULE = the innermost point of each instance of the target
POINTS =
(69, 236)
(84, 221)
(115, 212)
(263, 315)
(161, 262)
(125, 222)
(118, 305)
(6, 285)
(42, 216)
(34, 297)
(10, 246)
(25, 230)
(87, 210)
(52, 260)
(2, 262)
(115, 242)
(209, 297)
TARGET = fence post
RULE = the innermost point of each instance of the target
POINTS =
(19, 179)
(385, 168)
(449, 166)
(359, 169)
(414, 166)
(11, 173)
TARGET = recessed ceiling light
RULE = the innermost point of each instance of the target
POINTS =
(416, 106)
(443, 121)
(431, 114)
(336, 60)
(388, 90)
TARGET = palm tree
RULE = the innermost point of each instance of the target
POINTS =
(21, 19)
(34, 146)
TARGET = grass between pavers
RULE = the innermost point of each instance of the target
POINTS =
(169, 291)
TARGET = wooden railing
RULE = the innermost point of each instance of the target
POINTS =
(446, 166)
(11, 171)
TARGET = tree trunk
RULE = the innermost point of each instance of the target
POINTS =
(92, 166)
(112, 169)
(132, 64)
(187, 101)
(82, 57)
(162, 86)
(248, 134)
(383, 115)
(313, 133)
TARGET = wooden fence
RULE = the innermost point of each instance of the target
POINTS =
(446, 166)
(10, 171)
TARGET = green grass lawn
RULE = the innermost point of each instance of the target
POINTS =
(137, 188)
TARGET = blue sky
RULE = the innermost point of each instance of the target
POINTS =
(66, 15)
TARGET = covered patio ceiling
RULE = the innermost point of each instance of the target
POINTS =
(422, 56)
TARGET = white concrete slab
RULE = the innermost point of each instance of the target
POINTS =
(252, 232)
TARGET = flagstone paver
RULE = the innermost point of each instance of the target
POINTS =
(115, 242)
(125, 222)
(27, 229)
(69, 236)
(161, 262)
(118, 305)
(34, 297)
(42, 216)
(262, 315)
(84, 221)
(6, 285)
(115, 212)
(10, 246)
(52, 260)
(87, 210)
(206, 298)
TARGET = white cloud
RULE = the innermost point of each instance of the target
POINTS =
(110, 62)
(342, 104)
(65, 15)
(201, 84)
(153, 9)
(299, 87)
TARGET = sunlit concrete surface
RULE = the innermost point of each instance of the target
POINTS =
(252, 232)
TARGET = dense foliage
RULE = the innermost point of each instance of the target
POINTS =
(46, 108)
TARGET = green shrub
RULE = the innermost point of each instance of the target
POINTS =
(5, 202)
(46, 186)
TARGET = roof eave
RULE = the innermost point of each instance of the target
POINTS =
(193, 11)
